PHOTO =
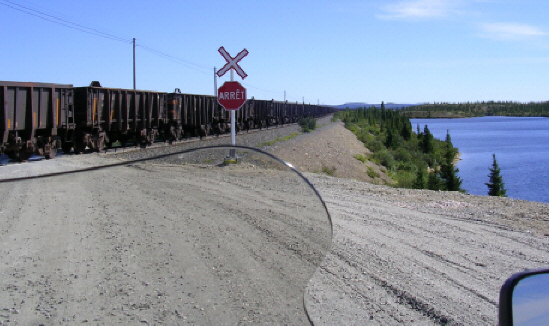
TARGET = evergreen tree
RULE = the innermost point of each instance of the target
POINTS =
(496, 187)
(419, 182)
(406, 130)
(389, 139)
(434, 182)
(450, 145)
(419, 137)
(448, 172)
(427, 141)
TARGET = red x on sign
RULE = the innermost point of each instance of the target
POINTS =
(232, 63)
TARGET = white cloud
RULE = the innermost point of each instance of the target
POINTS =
(419, 9)
(509, 31)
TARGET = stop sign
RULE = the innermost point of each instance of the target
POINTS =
(231, 95)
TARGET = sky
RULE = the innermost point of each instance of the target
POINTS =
(316, 51)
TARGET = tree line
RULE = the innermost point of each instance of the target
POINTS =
(477, 109)
(413, 160)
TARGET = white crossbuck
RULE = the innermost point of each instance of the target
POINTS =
(232, 63)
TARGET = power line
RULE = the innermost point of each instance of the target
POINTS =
(177, 60)
(293, 97)
(111, 36)
(260, 89)
(168, 56)
(61, 21)
(97, 32)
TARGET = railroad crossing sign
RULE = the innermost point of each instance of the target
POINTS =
(231, 95)
(232, 63)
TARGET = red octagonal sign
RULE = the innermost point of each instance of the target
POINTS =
(231, 95)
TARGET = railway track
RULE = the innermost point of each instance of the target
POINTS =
(131, 148)
(190, 140)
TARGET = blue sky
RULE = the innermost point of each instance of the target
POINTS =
(332, 52)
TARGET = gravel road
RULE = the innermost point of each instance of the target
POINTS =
(161, 242)
(397, 256)
(422, 257)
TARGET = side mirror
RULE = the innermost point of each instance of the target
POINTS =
(524, 299)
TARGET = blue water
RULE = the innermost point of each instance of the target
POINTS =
(521, 146)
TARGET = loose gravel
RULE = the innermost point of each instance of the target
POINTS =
(398, 256)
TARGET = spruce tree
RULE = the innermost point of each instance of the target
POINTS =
(419, 182)
(434, 182)
(406, 130)
(448, 172)
(427, 141)
(496, 187)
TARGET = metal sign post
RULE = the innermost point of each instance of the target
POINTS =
(232, 151)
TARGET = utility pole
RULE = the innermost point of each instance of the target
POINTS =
(284, 96)
(215, 82)
(134, 63)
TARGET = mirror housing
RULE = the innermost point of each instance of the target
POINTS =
(524, 298)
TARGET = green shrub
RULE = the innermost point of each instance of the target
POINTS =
(385, 158)
(375, 145)
(372, 173)
(373, 129)
(329, 171)
(352, 127)
(404, 179)
(361, 158)
(388, 161)
(403, 155)
(307, 124)
(366, 137)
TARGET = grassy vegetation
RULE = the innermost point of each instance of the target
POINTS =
(361, 158)
(279, 139)
(307, 124)
(329, 171)
(411, 159)
(372, 173)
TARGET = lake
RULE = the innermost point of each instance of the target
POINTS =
(521, 146)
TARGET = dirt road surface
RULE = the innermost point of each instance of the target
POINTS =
(397, 257)
(421, 257)
(161, 242)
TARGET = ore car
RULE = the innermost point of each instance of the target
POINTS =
(36, 118)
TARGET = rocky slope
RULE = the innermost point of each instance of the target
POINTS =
(331, 150)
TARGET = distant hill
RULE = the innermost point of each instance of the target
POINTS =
(478, 109)
(354, 105)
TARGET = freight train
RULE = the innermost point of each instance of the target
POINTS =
(42, 118)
